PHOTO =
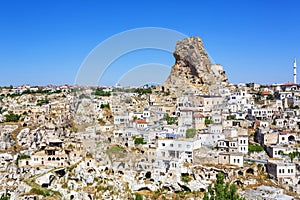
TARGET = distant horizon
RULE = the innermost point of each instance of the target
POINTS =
(133, 86)
(46, 42)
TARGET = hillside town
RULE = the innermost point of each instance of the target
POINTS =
(152, 142)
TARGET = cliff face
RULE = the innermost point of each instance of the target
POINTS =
(193, 71)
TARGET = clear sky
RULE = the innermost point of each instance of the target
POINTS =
(45, 42)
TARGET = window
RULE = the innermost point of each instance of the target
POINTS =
(171, 145)
(179, 145)
(188, 146)
(279, 171)
(292, 171)
(163, 144)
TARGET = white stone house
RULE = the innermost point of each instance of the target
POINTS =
(225, 158)
(215, 128)
(210, 139)
(175, 151)
(279, 169)
(286, 137)
(121, 119)
(185, 117)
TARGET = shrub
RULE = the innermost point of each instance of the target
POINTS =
(139, 141)
(11, 117)
(105, 106)
(255, 148)
(190, 133)
(170, 120)
(100, 92)
(208, 121)
(138, 196)
(221, 190)
(42, 102)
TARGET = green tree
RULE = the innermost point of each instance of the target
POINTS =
(221, 190)
(138, 196)
(170, 120)
(100, 92)
(11, 117)
(255, 148)
(231, 117)
(139, 141)
(4, 197)
(190, 133)
(208, 121)
(270, 97)
(105, 106)
(42, 101)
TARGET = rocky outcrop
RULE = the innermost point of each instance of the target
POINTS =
(193, 71)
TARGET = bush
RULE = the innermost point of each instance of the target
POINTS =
(255, 148)
(229, 117)
(142, 91)
(190, 133)
(138, 196)
(208, 121)
(11, 117)
(4, 197)
(105, 106)
(42, 102)
(170, 120)
(100, 92)
(186, 178)
(139, 141)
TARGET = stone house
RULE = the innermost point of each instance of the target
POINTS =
(226, 158)
(280, 170)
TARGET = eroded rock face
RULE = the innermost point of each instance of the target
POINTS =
(193, 71)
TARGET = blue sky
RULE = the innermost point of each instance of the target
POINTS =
(45, 42)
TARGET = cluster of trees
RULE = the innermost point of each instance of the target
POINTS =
(142, 91)
(221, 190)
(170, 120)
(139, 140)
(11, 117)
(255, 148)
(292, 155)
(100, 92)
(38, 91)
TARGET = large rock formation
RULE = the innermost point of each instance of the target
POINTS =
(193, 71)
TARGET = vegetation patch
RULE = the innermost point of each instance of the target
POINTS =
(170, 120)
(190, 133)
(255, 148)
(221, 190)
(100, 92)
(11, 117)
